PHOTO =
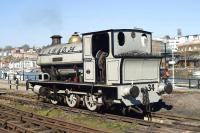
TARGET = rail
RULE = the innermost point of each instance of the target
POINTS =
(16, 120)
(181, 122)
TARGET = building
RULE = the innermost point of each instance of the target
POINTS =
(5, 53)
(157, 46)
(21, 53)
(189, 38)
(26, 65)
(188, 51)
(163, 47)
(185, 48)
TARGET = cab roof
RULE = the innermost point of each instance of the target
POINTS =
(118, 30)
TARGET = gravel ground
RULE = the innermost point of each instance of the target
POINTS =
(185, 103)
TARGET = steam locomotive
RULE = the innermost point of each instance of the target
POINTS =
(107, 68)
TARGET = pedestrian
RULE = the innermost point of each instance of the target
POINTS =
(5, 75)
(165, 75)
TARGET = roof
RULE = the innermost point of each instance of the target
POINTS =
(190, 35)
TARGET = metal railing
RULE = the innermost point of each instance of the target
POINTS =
(190, 83)
(17, 80)
(23, 77)
(182, 82)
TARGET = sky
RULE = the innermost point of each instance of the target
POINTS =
(32, 22)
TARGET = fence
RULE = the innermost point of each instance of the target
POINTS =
(190, 83)
(14, 80)
(23, 77)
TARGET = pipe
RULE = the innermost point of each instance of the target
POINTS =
(135, 109)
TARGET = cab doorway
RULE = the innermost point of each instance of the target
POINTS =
(100, 50)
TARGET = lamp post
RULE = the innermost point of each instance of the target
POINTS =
(0, 62)
(174, 49)
(23, 67)
(173, 62)
(165, 53)
(165, 41)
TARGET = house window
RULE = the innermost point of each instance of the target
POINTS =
(187, 38)
(195, 37)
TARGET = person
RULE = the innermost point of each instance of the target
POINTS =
(5, 75)
(101, 63)
(76, 77)
(165, 75)
(14, 77)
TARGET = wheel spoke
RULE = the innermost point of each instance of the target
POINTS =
(90, 102)
(72, 100)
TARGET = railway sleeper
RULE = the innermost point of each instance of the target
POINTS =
(40, 121)
(2, 130)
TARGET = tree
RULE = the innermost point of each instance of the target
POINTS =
(166, 37)
(25, 47)
(34, 48)
(8, 47)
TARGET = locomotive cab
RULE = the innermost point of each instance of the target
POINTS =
(127, 57)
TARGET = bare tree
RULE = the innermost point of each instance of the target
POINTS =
(166, 37)
(25, 47)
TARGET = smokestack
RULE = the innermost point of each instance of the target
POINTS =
(56, 39)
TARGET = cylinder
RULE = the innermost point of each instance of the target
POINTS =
(165, 88)
(132, 91)
(168, 88)
(36, 89)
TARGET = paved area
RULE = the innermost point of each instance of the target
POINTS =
(185, 89)
(5, 86)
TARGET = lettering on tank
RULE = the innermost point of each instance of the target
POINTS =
(61, 50)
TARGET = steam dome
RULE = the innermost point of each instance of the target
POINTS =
(75, 38)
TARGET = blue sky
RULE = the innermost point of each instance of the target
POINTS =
(34, 21)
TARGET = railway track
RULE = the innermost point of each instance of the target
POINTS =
(160, 121)
(14, 120)
(177, 119)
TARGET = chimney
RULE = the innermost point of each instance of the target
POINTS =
(56, 39)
